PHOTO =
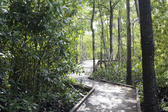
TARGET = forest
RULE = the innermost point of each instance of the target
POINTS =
(42, 42)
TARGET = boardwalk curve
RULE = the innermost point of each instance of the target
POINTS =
(106, 97)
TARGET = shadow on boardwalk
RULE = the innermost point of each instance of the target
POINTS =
(106, 97)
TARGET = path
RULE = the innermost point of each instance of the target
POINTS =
(106, 97)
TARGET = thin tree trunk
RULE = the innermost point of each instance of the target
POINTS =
(137, 7)
(108, 53)
(85, 51)
(133, 37)
(133, 30)
(119, 39)
(111, 30)
(101, 51)
(102, 35)
(82, 49)
(107, 34)
(76, 48)
(101, 39)
(93, 35)
(147, 44)
(134, 23)
(129, 72)
(107, 29)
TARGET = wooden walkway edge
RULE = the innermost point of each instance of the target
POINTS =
(106, 96)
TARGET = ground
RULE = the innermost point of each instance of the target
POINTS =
(106, 97)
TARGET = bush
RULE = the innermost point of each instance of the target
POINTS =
(112, 73)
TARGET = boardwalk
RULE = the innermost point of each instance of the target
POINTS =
(106, 97)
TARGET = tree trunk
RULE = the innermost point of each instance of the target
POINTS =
(107, 26)
(119, 39)
(111, 30)
(137, 7)
(133, 30)
(93, 36)
(102, 34)
(147, 44)
(101, 40)
(129, 74)
(101, 51)
(133, 37)
(80, 48)
(76, 48)
(83, 57)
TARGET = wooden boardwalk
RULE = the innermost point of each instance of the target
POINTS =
(106, 97)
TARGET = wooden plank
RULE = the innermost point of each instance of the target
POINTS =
(120, 84)
(82, 100)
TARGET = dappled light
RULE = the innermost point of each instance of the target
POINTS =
(83, 55)
(106, 97)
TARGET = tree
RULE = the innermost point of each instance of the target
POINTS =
(129, 74)
(119, 38)
(93, 35)
(137, 7)
(101, 37)
(147, 44)
(112, 6)
(36, 54)
(111, 30)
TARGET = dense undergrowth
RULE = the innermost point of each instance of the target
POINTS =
(36, 54)
(112, 73)
(61, 97)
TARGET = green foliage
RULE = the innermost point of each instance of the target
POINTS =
(160, 32)
(36, 54)
(112, 73)
(140, 92)
(39, 47)
(62, 97)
